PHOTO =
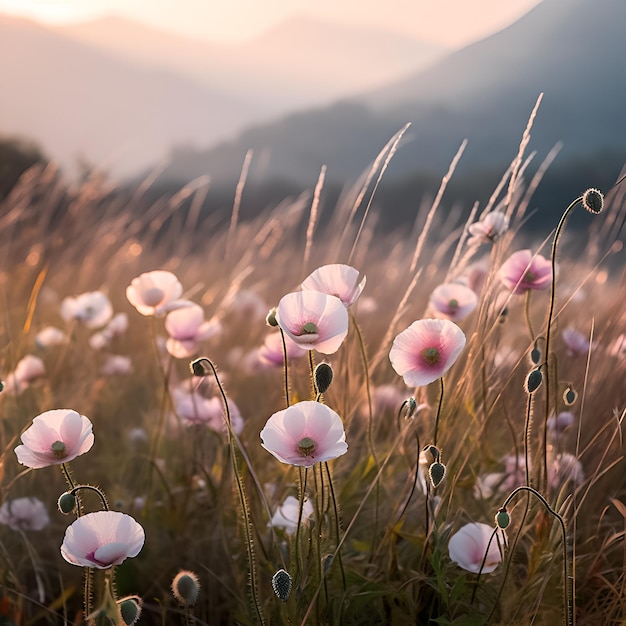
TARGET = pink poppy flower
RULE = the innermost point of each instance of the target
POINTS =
(153, 293)
(193, 408)
(523, 271)
(55, 437)
(577, 344)
(426, 350)
(93, 309)
(24, 514)
(564, 468)
(186, 328)
(117, 365)
(27, 370)
(286, 516)
(117, 326)
(102, 539)
(489, 229)
(271, 352)
(341, 281)
(304, 434)
(50, 336)
(561, 422)
(453, 301)
(314, 320)
(468, 545)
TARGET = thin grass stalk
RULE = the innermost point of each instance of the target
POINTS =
(313, 218)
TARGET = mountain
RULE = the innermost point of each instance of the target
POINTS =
(570, 50)
(78, 102)
(300, 62)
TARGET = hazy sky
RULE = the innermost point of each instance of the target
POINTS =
(450, 22)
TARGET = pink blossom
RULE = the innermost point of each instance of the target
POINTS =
(186, 328)
(577, 344)
(117, 365)
(560, 422)
(564, 468)
(426, 350)
(27, 370)
(271, 352)
(453, 301)
(50, 336)
(523, 271)
(153, 293)
(286, 515)
(93, 309)
(24, 514)
(193, 408)
(55, 437)
(102, 539)
(314, 320)
(117, 326)
(467, 548)
(341, 281)
(304, 434)
(489, 229)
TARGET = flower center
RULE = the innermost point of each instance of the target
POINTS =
(306, 446)
(453, 304)
(529, 277)
(153, 296)
(58, 448)
(310, 328)
(431, 355)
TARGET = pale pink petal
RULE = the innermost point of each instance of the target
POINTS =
(341, 281)
(468, 546)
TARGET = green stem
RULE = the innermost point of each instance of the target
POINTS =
(78, 488)
(337, 531)
(529, 322)
(438, 412)
(299, 564)
(546, 361)
(285, 367)
(242, 496)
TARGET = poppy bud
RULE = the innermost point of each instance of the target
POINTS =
(281, 584)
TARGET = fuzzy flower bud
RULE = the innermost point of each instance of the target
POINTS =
(570, 395)
(533, 380)
(130, 609)
(503, 519)
(323, 376)
(200, 367)
(281, 584)
(186, 588)
(593, 201)
(66, 503)
(270, 318)
(436, 473)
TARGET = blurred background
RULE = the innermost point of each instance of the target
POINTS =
(186, 89)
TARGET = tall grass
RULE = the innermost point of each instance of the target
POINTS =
(380, 556)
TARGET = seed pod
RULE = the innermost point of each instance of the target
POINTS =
(281, 584)
(436, 473)
(323, 376)
(503, 519)
(534, 380)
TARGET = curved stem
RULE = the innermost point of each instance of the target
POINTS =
(546, 361)
(529, 321)
(105, 504)
(438, 412)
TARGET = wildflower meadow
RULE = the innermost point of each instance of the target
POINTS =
(290, 420)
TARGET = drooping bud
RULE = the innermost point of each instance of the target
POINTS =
(503, 519)
(130, 609)
(66, 503)
(323, 376)
(570, 395)
(593, 201)
(410, 406)
(533, 380)
(281, 584)
(436, 473)
(270, 318)
(200, 367)
(535, 354)
(186, 588)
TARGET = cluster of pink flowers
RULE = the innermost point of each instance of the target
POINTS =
(100, 539)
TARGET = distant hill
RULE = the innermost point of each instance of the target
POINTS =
(77, 101)
(572, 50)
(302, 61)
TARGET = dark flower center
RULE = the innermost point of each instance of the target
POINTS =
(306, 446)
(431, 355)
(58, 448)
(309, 328)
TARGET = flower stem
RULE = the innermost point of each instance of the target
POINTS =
(285, 367)
(438, 412)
